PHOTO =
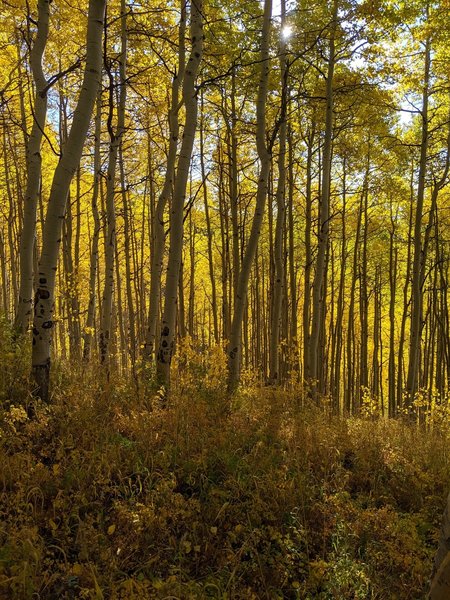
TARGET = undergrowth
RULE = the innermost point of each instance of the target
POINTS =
(106, 495)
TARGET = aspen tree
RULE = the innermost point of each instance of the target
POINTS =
(34, 160)
(318, 296)
(418, 252)
(89, 327)
(264, 155)
(278, 284)
(209, 231)
(167, 340)
(43, 323)
(115, 141)
(158, 237)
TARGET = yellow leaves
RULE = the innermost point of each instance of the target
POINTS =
(317, 573)
(53, 525)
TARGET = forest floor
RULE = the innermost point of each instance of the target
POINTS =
(105, 495)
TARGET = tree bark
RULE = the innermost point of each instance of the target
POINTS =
(45, 294)
(167, 340)
(158, 237)
(324, 215)
(234, 348)
(114, 145)
(34, 160)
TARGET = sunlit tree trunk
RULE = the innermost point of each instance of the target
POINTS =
(336, 354)
(349, 403)
(324, 214)
(308, 256)
(293, 321)
(28, 233)
(114, 144)
(158, 237)
(393, 264)
(89, 327)
(167, 340)
(418, 254)
(209, 231)
(128, 243)
(278, 284)
(45, 294)
(234, 348)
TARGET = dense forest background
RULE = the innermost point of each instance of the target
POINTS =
(323, 127)
(231, 218)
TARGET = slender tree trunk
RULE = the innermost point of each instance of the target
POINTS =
(158, 237)
(166, 345)
(28, 233)
(393, 264)
(209, 231)
(349, 406)
(115, 138)
(336, 363)
(324, 213)
(89, 327)
(418, 255)
(45, 294)
(308, 258)
(293, 330)
(278, 284)
(234, 349)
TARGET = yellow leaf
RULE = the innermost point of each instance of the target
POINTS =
(213, 530)
(53, 525)
(56, 469)
(111, 529)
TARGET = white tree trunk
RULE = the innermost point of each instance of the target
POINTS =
(318, 303)
(167, 340)
(234, 348)
(157, 249)
(419, 256)
(278, 285)
(88, 332)
(115, 140)
(45, 294)
(28, 233)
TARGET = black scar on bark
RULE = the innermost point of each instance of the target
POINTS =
(42, 280)
(47, 325)
(43, 294)
(165, 331)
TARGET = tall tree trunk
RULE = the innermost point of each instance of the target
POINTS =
(293, 329)
(89, 327)
(28, 233)
(318, 309)
(418, 256)
(209, 231)
(167, 340)
(393, 264)
(278, 284)
(115, 138)
(158, 237)
(234, 349)
(45, 294)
